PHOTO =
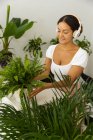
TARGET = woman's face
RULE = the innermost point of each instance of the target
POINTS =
(64, 33)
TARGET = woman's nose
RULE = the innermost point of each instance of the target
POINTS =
(61, 34)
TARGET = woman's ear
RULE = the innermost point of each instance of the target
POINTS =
(77, 33)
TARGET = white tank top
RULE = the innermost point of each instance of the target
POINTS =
(79, 59)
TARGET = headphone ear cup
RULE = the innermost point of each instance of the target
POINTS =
(75, 34)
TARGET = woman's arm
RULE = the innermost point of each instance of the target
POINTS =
(73, 73)
(46, 71)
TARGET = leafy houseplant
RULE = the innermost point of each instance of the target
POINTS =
(84, 44)
(54, 41)
(34, 47)
(18, 74)
(14, 28)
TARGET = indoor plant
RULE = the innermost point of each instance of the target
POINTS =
(19, 74)
(14, 28)
(84, 44)
(34, 47)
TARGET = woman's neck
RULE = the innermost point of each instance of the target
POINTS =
(68, 46)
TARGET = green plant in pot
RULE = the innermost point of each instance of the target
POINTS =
(16, 75)
(14, 28)
(84, 44)
(19, 74)
(34, 47)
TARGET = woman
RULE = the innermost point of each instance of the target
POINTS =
(65, 57)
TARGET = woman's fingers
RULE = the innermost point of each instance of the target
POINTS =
(32, 94)
(35, 92)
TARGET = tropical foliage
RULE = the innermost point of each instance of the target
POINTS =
(84, 44)
(54, 41)
(14, 28)
(34, 47)
(18, 74)
(61, 119)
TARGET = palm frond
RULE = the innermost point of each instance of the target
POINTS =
(60, 119)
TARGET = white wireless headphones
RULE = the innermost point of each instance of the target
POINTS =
(77, 32)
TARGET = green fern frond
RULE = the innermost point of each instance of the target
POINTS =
(18, 74)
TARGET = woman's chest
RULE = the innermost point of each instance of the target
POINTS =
(63, 57)
(59, 70)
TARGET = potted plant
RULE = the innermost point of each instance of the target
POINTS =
(34, 47)
(19, 74)
(14, 28)
(84, 44)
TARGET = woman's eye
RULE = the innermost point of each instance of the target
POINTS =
(66, 32)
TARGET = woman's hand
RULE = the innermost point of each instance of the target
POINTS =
(39, 89)
(36, 91)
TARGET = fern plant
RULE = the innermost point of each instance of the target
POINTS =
(18, 74)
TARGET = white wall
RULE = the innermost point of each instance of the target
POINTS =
(46, 13)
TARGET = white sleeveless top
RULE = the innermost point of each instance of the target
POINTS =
(79, 59)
